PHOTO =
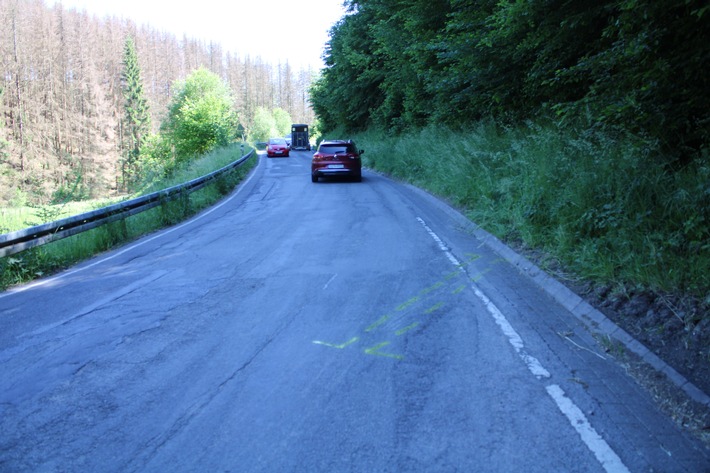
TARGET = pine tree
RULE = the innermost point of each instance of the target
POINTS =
(137, 113)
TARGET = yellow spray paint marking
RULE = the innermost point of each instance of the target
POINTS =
(406, 329)
(339, 347)
(470, 257)
(459, 289)
(403, 306)
(375, 351)
(479, 276)
(379, 322)
(434, 308)
(452, 275)
(429, 289)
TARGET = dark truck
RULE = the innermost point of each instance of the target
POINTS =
(299, 137)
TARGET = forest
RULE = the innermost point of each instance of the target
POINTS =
(66, 128)
(633, 66)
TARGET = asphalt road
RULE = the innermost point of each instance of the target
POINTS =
(335, 326)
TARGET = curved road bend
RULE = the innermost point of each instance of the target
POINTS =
(336, 326)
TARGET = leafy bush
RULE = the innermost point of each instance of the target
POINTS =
(201, 116)
(156, 162)
(268, 124)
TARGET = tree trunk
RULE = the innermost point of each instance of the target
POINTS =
(18, 92)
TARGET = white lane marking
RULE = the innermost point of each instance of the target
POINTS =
(439, 242)
(608, 459)
(161, 234)
(514, 338)
(329, 281)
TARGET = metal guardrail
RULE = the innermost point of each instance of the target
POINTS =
(15, 242)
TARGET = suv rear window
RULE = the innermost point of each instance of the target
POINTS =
(334, 149)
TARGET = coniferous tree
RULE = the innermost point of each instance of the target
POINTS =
(137, 114)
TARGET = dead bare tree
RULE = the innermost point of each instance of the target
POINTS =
(60, 96)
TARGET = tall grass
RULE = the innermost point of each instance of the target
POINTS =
(609, 209)
(54, 256)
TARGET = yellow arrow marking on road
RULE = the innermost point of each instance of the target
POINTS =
(479, 276)
(471, 257)
(452, 275)
(429, 289)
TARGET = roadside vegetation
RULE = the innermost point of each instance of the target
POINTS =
(595, 204)
(52, 257)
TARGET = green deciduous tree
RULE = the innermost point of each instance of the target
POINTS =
(263, 126)
(402, 37)
(349, 86)
(282, 121)
(201, 116)
(652, 77)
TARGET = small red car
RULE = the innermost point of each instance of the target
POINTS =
(337, 158)
(277, 147)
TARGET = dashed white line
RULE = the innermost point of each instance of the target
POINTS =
(514, 338)
(608, 459)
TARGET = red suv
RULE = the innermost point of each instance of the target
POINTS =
(337, 158)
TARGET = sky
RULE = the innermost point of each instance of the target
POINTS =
(275, 30)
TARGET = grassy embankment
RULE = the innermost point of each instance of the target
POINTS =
(609, 211)
(37, 262)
